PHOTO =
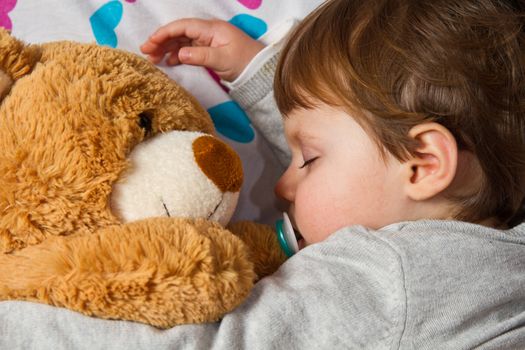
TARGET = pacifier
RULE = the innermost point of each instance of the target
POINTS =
(286, 236)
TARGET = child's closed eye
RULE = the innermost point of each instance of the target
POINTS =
(308, 162)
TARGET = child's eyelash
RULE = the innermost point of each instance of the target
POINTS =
(307, 162)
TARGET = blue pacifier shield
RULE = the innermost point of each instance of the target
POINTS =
(286, 236)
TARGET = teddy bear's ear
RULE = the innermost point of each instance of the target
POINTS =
(16, 60)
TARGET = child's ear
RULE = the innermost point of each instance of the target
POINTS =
(432, 168)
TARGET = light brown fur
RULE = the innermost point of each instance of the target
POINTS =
(67, 124)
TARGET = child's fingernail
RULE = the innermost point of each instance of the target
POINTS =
(184, 54)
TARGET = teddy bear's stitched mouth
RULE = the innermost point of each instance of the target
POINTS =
(209, 215)
(216, 207)
(166, 209)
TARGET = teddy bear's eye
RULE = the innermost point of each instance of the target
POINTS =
(145, 122)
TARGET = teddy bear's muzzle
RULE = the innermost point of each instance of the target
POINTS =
(179, 174)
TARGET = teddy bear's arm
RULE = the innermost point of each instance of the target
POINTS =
(265, 251)
(161, 271)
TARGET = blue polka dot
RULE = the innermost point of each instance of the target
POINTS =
(104, 21)
(231, 121)
(253, 26)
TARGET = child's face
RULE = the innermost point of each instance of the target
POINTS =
(344, 180)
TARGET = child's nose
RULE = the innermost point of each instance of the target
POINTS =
(284, 187)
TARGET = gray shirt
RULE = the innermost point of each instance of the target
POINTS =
(413, 285)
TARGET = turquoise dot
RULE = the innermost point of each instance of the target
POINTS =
(104, 21)
(253, 26)
(231, 121)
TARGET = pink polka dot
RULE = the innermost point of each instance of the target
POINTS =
(251, 4)
(6, 6)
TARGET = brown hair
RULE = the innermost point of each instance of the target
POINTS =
(400, 63)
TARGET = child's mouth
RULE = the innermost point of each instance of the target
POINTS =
(301, 243)
(300, 240)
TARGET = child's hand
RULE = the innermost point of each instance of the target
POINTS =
(214, 44)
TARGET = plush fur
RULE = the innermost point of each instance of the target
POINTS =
(70, 116)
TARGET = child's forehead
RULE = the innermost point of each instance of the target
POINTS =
(301, 124)
(315, 123)
(303, 133)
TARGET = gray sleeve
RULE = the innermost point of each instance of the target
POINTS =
(346, 292)
(256, 98)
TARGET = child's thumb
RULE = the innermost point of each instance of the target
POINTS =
(199, 56)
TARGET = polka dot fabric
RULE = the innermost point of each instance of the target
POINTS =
(125, 24)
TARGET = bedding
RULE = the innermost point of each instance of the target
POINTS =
(125, 24)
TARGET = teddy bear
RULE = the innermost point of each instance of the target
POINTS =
(115, 191)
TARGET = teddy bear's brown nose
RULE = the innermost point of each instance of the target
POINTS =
(219, 162)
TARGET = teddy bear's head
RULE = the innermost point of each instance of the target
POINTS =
(92, 136)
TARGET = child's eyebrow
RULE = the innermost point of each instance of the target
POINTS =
(305, 135)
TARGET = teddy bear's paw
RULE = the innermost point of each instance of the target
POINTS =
(159, 271)
(265, 251)
(176, 271)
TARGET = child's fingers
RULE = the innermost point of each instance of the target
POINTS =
(172, 59)
(173, 55)
(194, 29)
(148, 47)
(201, 56)
(155, 59)
(171, 48)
